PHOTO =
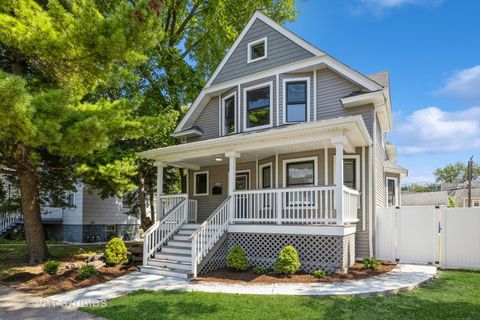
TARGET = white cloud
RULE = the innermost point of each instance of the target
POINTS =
(432, 130)
(380, 7)
(464, 84)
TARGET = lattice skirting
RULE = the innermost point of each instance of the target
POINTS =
(333, 254)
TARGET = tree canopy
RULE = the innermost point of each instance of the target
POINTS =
(456, 173)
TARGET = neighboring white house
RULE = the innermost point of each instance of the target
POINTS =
(284, 145)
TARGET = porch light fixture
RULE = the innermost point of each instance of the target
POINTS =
(218, 159)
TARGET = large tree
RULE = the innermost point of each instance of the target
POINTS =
(456, 173)
(54, 55)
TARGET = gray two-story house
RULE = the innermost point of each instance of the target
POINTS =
(284, 145)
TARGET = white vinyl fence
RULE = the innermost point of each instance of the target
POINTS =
(425, 234)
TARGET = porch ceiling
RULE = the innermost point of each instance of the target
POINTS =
(258, 145)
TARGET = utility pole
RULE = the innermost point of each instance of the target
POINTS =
(470, 177)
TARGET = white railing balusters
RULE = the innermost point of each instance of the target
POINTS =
(351, 204)
(168, 202)
(192, 210)
(7, 220)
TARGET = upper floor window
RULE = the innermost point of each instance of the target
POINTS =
(258, 106)
(229, 114)
(257, 50)
(296, 108)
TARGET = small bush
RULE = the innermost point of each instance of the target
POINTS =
(115, 252)
(319, 274)
(259, 270)
(288, 262)
(86, 271)
(371, 263)
(51, 267)
(237, 259)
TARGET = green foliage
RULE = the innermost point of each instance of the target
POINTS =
(237, 259)
(456, 173)
(86, 271)
(259, 270)
(451, 200)
(288, 262)
(415, 187)
(319, 274)
(371, 263)
(115, 252)
(51, 267)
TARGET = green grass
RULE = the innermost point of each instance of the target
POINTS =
(455, 295)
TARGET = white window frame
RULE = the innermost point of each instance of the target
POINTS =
(254, 43)
(395, 181)
(260, 174)
(356, 157)
(284, 98)
(72, 207)
(222, 113)
(249, 177)
(195, 174)
(315, 168)
(475, 201)
(251, 88)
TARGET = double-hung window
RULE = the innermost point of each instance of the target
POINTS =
(258, 105)
(296, 107)
(392, 192)
(300, 174)
(228, 114)
(201, 184)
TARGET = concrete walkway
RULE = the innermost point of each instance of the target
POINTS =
(403, 277)
(15, 305)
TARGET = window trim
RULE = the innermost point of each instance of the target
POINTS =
(260, 174)
(249, 177)
(395, 181)
(315, 168)
(195, 174)
(245, 112)
(254, 43)
(222, 113)
(357, 168)
(284, 99)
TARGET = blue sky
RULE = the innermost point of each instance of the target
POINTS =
(431, 49)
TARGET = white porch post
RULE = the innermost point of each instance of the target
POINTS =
(339, 142)
(232, 169)
(160, 167)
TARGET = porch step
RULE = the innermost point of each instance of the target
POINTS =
(173, 256)
(179, 237)
(177, 273)
(171, 264)
(174, 249)
(180, 243)
(185, 232)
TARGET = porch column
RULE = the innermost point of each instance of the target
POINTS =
(160, 166)
(232, 169)
(339, 142)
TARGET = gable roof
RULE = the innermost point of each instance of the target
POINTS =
(382, 78)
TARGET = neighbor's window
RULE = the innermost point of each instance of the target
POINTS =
(350, 173)
(257, 50)
(201, 183)
(71, 199)
(391, 192)
(258, 107)
(266, 177)
(229, 115)
(126, 201)
(296, 101)
(475, 203)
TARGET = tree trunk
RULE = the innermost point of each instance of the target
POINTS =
(152, 204)
(141, 199)
(34, 233)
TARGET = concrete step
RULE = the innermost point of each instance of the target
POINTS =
(163, 263)
(177, 273)
(173, 256)
(180, 243)
(174, 249)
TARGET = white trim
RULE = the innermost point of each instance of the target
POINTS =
(254, 43)
(325, 165)
(315, 95)
(364, 191)
(260, 174)
(396, 195)
(258, 15)
(293, 229)
(276, 170)
(284, 98)
(371, 193)
(315, 168)
(277, 99)
(249, 177)
(356, 157)
(222, 114)
(251, 88)
(195, 174)
(188, 132)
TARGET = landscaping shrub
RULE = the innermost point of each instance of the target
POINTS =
(288, 262)
(319, 274)
(371, 263)
(51, 267)
(115, 252)
(259, 270)
(237, 259)
(86, 271)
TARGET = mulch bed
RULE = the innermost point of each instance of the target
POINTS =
(354, 273)
(44, 284)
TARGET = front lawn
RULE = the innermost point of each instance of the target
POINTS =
(454, 295)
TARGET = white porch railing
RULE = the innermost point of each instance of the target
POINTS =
(205, 237)
(351, 204)
(9, 219)
(52, 213)
(168, 202)
(192, 210)
(162, 230)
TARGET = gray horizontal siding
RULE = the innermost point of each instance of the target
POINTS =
(208, 121)
(280, 51)
(104, 211)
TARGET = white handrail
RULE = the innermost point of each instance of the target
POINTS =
(168, 202)
(162, 230)
(351, 204)
(192, 210)
(207, 234)
(8, 220)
